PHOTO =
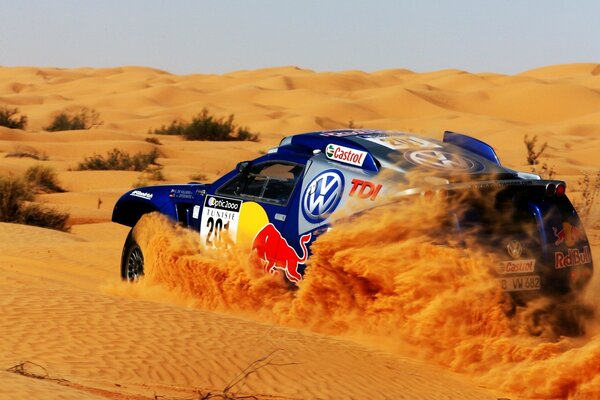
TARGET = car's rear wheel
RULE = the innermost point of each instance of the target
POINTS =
(132, 260)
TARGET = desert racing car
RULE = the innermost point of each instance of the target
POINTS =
(279, 203)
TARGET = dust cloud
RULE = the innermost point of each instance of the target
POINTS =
(388, 278)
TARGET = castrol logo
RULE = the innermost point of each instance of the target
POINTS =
(345, 154)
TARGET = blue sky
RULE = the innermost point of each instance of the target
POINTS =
(184, 37)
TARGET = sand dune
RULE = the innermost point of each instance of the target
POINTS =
(62, 304)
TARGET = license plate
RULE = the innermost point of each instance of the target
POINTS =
(520, 283)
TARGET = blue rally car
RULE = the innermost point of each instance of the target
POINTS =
(280, 202)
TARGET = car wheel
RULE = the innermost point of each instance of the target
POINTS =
(132, 260)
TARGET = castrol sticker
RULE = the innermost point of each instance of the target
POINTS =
(345, 154)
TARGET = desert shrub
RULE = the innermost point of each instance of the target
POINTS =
(199, 177)
(43, 179)
(153, 140)
(590, 189)
(207, 127)
(175, 128)
(545, 172)
(86, 118)
(9, 119)
(37, 215)
(27, 151)
(119, 160)
(532, 153)
(13, 192)
(352, 125)
(16, 207)
(154, 173)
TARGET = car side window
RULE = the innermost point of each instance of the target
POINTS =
(271, 182)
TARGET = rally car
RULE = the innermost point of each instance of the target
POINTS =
(279, 203)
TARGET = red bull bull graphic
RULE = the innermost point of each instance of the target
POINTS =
(272, 247)
(569, 234)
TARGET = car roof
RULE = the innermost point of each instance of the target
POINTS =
(360, 139)
(393, 149)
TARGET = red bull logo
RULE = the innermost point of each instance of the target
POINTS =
(278, 254)
(569, 234)
(572, 257)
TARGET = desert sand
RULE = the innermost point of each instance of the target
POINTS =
(65, 313)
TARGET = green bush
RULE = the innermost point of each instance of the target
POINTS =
(43, 179)
(16, 207)
(8, 118)
(207, 127)
(119, 160)
(86, 118)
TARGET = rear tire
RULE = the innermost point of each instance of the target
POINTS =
(132, 260)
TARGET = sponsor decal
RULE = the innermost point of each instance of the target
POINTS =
(142, 195)
(403, 142)
(500, 184)
(520, 283)
(572, 257)
(516, 266)
(345, 154)
(219, 214)
(322, 195)
(277, 254)
(364, 189)
(569, 234)
(222, 203)
(514, 249)
(354, 132)
(443, 160)
(196, 212)
(182, 194)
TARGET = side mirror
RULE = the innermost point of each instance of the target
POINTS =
(242, 167)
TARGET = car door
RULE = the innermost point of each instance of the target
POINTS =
(253, 208)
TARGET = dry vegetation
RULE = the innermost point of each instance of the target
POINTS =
(199, 177)
(532, 153)
(21, 151)
(590, 189)
(120, 161)
(153, 140)
(9, 118)
(43, 179)
(16, 206)
(86, 118)
(207, 127)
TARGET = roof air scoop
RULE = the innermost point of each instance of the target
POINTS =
(473, 145)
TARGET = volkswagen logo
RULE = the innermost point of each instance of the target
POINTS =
(443, 160)
(322, 195)
(514, 248)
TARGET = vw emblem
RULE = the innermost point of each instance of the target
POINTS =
(514, 248)
(443, 160)
(322, 195)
